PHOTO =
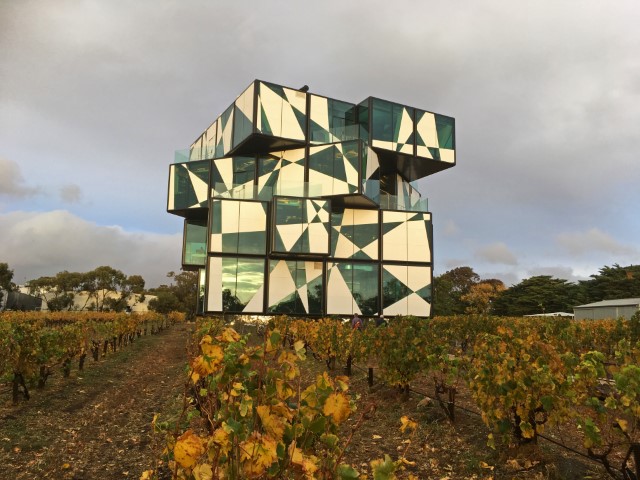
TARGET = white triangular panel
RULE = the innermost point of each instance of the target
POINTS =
(339, 298)
(398, 308)
(245, 102)
(418, 277)
(226, 134)
(200, 187)
(216, 242)
(290, 126)
(255, 305)
(406, 127)
(272, 107)
(225, 168)
(416, 305)
(296, 98)
(252, 217)
(423, 152)
(230, 213)
(365, 217)
(399, 272)
(318, 238)
(281, 283)
(394, 243)
(311, 272)
(344, 247)
(350, 171)
(418, 244)
(447, 155)
(289, 234)
(320, 111)
(304, 297)
(372, 163)
(382, 144)
(214, 291)
(326, 181)
(427, 129)
(372, 250)
(172, 193)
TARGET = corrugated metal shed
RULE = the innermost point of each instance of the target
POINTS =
(621, 307)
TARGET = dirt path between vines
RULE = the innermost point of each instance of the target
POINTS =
(97, 423)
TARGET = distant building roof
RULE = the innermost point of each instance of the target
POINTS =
(620, 302)
(554, 314)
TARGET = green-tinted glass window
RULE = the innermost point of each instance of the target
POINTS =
(189, 192)
(202, 276)
(241, 282)
(289, 214)
(382, 120)
(195, 243)
(243, 170)
(445, 127)
(365, 287)
(363, 120)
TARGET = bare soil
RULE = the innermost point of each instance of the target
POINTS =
(96, 424)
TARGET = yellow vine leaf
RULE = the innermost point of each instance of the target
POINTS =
(228, 335)
(407, 423)
(257, 454)
(220, 438)
(272, 424)
(203, 472)
(623, 424)
(188, 449)
(146, 475)
(337, 406)
(283, 389)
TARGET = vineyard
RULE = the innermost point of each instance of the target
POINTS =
(248, 413)
(33, 344)
(445, 398)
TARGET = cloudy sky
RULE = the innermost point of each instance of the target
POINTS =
(95, 96)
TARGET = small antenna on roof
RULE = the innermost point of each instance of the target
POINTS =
(304, 88)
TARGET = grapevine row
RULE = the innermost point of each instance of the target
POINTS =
(524, 375)
(33, 343)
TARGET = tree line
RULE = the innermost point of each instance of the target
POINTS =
(457, 291)
(461, 290)
(107, 289)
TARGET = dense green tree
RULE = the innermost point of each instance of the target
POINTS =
(539, 294)
(58, 291)
(449, 288)
(183, 288)
(6, 277)
(165, 302)
(481, 295)
(612, 283)
(107, 289)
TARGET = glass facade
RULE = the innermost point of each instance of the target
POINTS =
(305, 205)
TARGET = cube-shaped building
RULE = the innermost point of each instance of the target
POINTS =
(300, 204)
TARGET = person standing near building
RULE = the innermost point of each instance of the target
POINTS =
(356, 322)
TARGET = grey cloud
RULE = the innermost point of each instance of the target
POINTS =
(12, 183)
(71, 193)
(544, 97)
(40, 244)
(594, 240)
(496, 253)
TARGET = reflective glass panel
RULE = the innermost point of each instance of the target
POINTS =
(195, 243)
(242, 279)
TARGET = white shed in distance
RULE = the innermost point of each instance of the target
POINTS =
(622, 307)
